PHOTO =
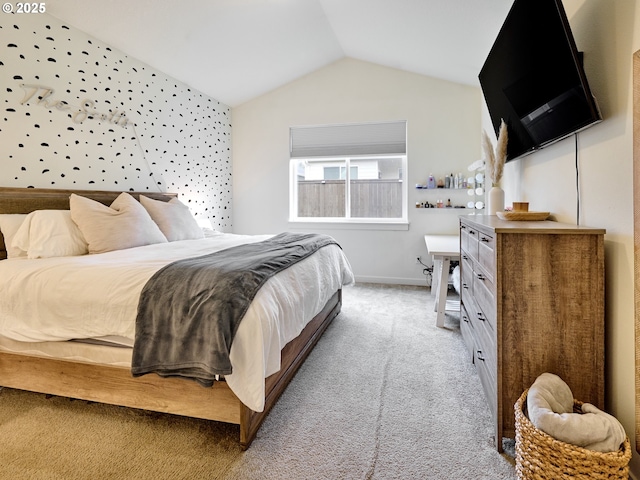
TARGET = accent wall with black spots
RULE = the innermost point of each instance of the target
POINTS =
(79, 114)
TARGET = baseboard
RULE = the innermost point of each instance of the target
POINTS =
(392, 280)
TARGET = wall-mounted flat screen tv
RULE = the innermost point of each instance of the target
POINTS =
(534, 79)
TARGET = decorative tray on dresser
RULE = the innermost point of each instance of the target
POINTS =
(532, 301)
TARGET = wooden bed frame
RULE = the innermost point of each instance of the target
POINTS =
(115, 385)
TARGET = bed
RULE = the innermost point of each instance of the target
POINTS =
(96, 369)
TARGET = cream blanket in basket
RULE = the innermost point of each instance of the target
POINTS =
(550, 408)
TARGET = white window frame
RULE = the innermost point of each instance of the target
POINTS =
(400, 223)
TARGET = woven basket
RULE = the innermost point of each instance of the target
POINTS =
(541, 457)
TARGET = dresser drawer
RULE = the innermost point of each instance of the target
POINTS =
(487, 379)
(486, 344)
(486, 254)
(483, 294)
(486, 361)
(469, 240)
(466, 274)
(466, 329)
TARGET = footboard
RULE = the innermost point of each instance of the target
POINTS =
(115, 385)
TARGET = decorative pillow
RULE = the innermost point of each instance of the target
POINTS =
(174, 219)
(50, 233)
(9, 225)
(125, 224)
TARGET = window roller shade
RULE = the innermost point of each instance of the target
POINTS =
(349, 140)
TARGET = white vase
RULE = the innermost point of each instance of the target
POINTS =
(495, 200)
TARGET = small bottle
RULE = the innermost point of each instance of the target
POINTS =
(448, 202)
(447, 182)
(456, 181)
(431, 183)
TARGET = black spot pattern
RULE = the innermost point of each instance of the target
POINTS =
(177, 139)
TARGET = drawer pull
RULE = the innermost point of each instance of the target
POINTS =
(479, 355)
(485, 239)
(472, 232)
(481, 316)
(465, 286)
(464, 257)
(465, 319)
(480, 276)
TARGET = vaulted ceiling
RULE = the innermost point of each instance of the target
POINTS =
(235, 50)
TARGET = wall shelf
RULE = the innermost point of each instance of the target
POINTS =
(459, 211)
(457, 196)
(443, 189)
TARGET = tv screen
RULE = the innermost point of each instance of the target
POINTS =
(533, 78)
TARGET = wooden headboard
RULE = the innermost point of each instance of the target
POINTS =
(27, 200)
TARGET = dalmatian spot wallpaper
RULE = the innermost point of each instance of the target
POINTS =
(78, 114)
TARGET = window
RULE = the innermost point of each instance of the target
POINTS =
(335, 173)
(349, 173)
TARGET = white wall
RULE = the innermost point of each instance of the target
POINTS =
(443, 137)
(608, 33)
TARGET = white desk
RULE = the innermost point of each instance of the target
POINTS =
(443, 249)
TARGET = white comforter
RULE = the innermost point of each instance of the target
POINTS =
(91, 296)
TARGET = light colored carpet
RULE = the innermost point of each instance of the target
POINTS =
(384, 395)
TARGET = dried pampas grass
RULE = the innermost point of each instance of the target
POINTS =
(497, 158)
(489, 154)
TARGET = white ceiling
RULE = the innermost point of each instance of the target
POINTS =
(235, 50)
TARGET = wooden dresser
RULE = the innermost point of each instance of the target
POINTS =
(532, 301)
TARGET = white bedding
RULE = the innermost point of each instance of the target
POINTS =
(88, 296)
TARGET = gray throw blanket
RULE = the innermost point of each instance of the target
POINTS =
(190, 310)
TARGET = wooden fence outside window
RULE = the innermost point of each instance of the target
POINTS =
(369, 198)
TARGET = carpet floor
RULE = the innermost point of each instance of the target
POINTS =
(384, 395)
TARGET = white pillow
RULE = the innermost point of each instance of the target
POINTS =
(50, 233)
(174, 219)
(9, 225)
(125, 224)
